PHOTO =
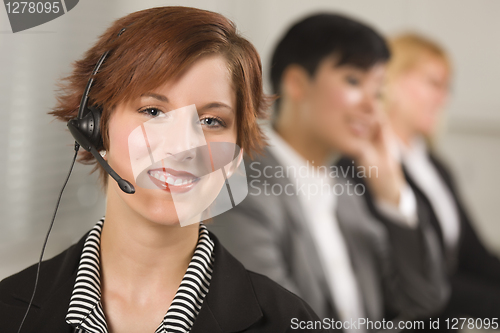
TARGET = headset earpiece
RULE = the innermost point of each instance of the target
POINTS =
(89, 126)
(87, 129)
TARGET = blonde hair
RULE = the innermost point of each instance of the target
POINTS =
(409, 49)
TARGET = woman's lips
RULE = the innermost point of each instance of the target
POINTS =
(171, 180)
(359, 128)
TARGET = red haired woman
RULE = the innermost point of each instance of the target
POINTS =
(140, 271)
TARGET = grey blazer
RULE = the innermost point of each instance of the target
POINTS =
(399, 270)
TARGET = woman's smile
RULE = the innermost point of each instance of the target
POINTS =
(171, 180)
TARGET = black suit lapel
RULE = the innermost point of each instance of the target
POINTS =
(423, 200)
(55, 285)
(231, 292)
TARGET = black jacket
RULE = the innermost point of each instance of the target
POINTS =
(238, 300)
(474, 271)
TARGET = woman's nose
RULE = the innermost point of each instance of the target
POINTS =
(369, 102)
(186, 134)
(184, 155)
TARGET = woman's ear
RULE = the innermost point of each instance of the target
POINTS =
(103, 154)
(240, 158)
(295, 83)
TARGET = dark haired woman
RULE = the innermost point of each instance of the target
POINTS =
(306, 224)
(139, 270)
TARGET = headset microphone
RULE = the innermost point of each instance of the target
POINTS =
(84, 141)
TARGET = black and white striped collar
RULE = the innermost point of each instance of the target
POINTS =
(85, 311)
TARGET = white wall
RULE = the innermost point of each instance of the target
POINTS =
(35, 152)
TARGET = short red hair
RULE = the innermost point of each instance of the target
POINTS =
(158, 45)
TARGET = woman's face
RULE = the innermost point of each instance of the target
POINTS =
(160, 143)
(417, 97)
(342, 105)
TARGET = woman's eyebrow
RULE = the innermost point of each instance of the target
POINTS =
(159, 97)
(215, 105)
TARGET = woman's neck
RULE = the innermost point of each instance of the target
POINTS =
(141, 258)
(403, 131)
(305, 143)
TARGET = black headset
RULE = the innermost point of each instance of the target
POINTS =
(86, 130)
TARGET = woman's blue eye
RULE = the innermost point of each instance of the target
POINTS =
(211, 122)
(152, 112)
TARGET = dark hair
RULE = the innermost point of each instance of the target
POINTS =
(158, 45)
(319, 36)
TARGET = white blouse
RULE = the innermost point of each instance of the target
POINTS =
(420, 168)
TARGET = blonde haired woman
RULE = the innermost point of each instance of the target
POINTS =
(416, 91)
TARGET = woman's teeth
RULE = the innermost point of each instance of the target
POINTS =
(175, 181)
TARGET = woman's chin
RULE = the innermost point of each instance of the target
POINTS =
(352, 146)
(171, 218)
(168, 221)
(427, 130)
